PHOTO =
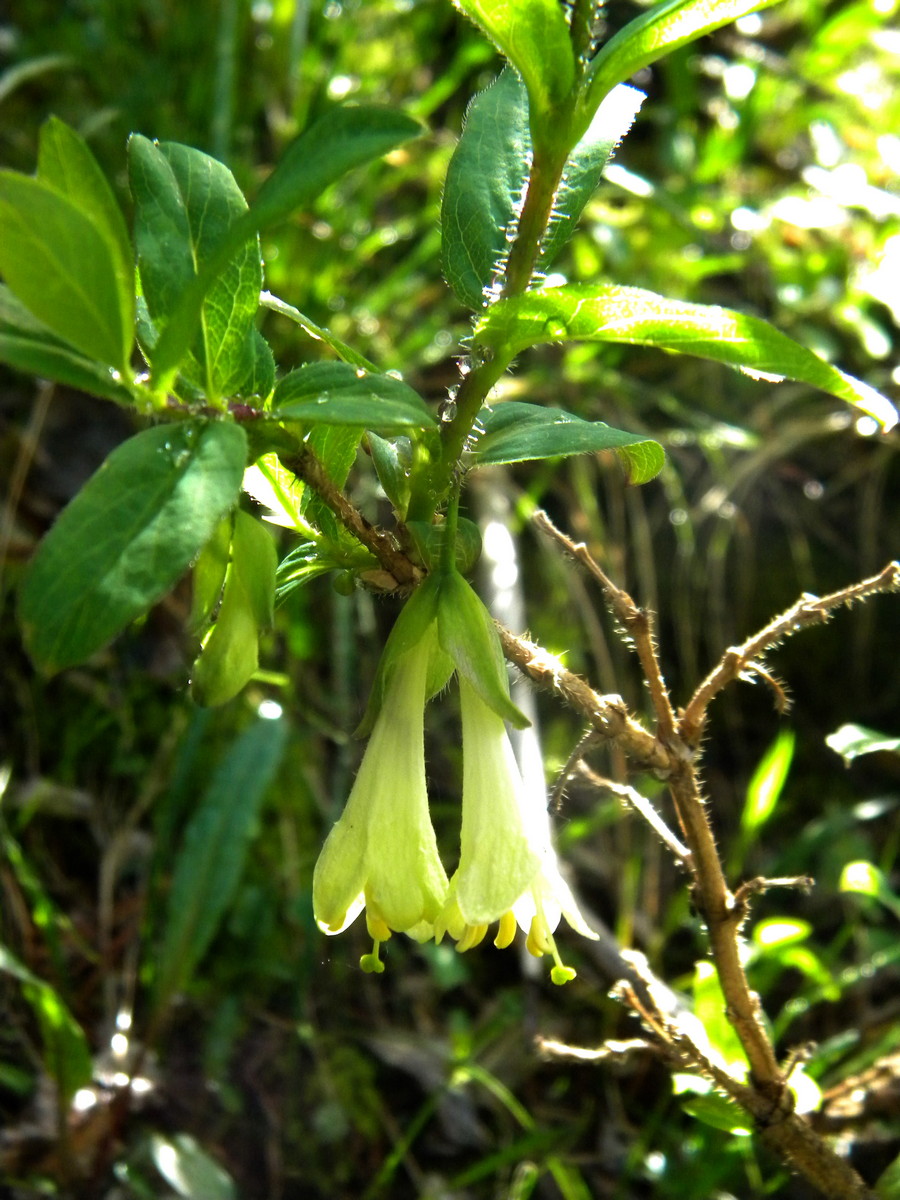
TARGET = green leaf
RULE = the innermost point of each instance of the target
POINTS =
(66, 164)
(534, 36)
(67, 1056)
(209, 866)
(468, 636)
(658, 31)
(260, 376)
(335, 447)
(767, 783)
(429, 541)
(392, 459)
(484, 188)
(887, 1186)
(208, 576)
(186, 207)
(344, 138)
(186, 1167)
(29, 346)
(710, 1009)
(255, 560)
(721, 1112)
(230, 654)
(342, 350)
(486, 180)
(584, 165)
(623, 314)
(335, 393)
(852, 741)
(517, 432)
(63, 269)
(127, 537)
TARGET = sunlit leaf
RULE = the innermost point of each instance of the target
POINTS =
(534, 36)
(853, 741)
(768, 780)
(658, 31)
(188, 1169)
(210, 863)
(584, 165)
(63, 269)
(622, 314)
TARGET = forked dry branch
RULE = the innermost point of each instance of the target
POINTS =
(672, 752)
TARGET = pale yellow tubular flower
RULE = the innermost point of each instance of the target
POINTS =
(382, 853)
(508, 870)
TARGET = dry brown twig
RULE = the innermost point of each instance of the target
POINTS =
(765, 1095)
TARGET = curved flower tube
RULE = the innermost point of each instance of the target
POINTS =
(382, 853)
(508, 870)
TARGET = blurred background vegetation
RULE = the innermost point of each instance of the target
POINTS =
(762, 174)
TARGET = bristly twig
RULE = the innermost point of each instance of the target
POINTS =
(401, 572)
(739, 660)
(637, 622)
(608, 715)
(584, 743)
(642, 806)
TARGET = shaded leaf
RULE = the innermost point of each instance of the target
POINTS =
(622, 314)
(392, 459)
(127, 537)
(210, 863)
(67, 1056)
(208, 576)
(517, 432)
(332, 393)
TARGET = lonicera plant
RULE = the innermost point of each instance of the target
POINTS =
(162, 320)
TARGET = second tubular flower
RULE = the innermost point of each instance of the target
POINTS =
(508, 870)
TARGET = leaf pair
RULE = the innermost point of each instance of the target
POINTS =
(488, 174)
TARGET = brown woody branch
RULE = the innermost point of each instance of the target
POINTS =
(401, 573)
(742, 660)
